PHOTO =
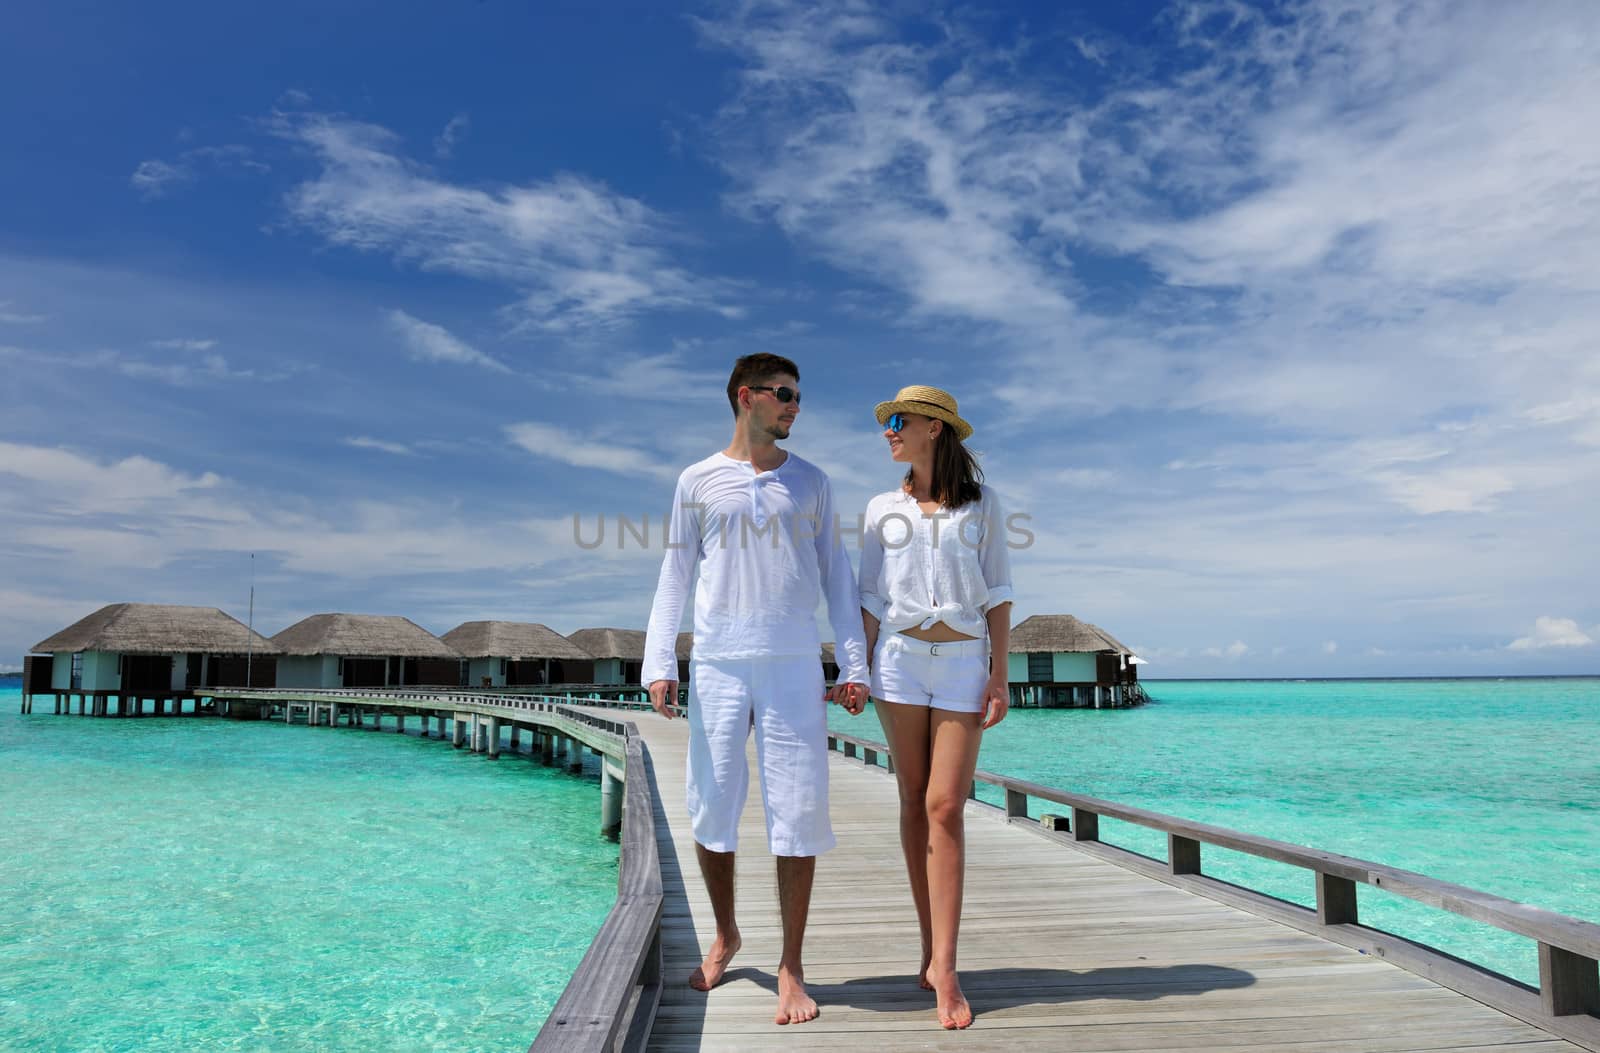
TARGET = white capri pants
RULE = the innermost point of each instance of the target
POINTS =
(947, 676)
(784, 694)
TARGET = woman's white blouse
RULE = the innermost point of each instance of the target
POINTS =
(919, 569)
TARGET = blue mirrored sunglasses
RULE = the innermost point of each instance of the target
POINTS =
(895, 422)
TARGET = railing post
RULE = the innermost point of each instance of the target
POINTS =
(1336, 900)
(1183, 855)
(1016, 804)
(1085, 825)
(1568, 982)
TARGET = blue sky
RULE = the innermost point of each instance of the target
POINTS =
(1279, 322)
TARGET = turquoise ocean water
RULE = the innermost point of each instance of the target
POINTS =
(1490, 784)
(200, 884)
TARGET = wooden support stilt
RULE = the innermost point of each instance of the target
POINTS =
(610, 801)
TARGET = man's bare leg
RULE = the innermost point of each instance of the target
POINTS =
(717, 870)
(795, 874)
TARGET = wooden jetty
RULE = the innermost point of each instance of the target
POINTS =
(1067, 943)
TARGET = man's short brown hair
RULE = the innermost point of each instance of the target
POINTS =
(754, 370)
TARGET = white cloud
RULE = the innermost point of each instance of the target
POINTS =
(364, 442)
(634, 375)
(1356, 217)
(568, 446)
(445, 144)
(1330, 647)
(1090, 50)
(154, 179)
(1552, 632)
(184, 344)
(10, 316)
(86, 515)
(1236, 650)
(577, 253)
(427, 342)
(1460, 490)
(208, 367)
(88, 486)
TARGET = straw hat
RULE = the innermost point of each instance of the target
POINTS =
(929, 402)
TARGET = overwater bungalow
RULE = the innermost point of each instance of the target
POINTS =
(618, 654)
(830, 663)
(1058, 660)
(518, 654)
(148, 650)
(685, 649)
(364, 650)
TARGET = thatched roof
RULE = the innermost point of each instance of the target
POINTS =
(157, 628)
(514, 640)
(357, 635)
(1060, 633)
(626, 644)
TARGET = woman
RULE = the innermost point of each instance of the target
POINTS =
(936, 600)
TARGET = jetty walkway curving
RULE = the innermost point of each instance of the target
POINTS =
(1060, 950)
(1067, 943)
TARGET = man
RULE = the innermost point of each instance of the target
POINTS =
(758, 523)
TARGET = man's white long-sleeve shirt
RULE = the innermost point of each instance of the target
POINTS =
(767, 548)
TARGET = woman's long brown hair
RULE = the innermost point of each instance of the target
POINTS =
(956, 476)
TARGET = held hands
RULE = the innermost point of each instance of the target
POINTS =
(663, 696)
(852, 696)
(996, 701)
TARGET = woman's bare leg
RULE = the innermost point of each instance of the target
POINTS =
(906, 728)
(953, 741)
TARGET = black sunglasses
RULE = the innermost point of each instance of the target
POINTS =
(781, 394)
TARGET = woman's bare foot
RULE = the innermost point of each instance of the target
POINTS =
(794, 1005)
(954, 1012)
(711, 970)
(922, 973)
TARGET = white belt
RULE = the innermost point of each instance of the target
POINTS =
(943, 649)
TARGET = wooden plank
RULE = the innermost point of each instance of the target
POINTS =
(1061, 949)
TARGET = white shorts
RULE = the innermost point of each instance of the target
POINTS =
(784, 694)
(943, 676)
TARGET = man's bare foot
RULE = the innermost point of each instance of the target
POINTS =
(711, 970)
(794, 1005)
(954, 1012)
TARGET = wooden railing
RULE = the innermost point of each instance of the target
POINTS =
(1566, 1002)
(610, 1002)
